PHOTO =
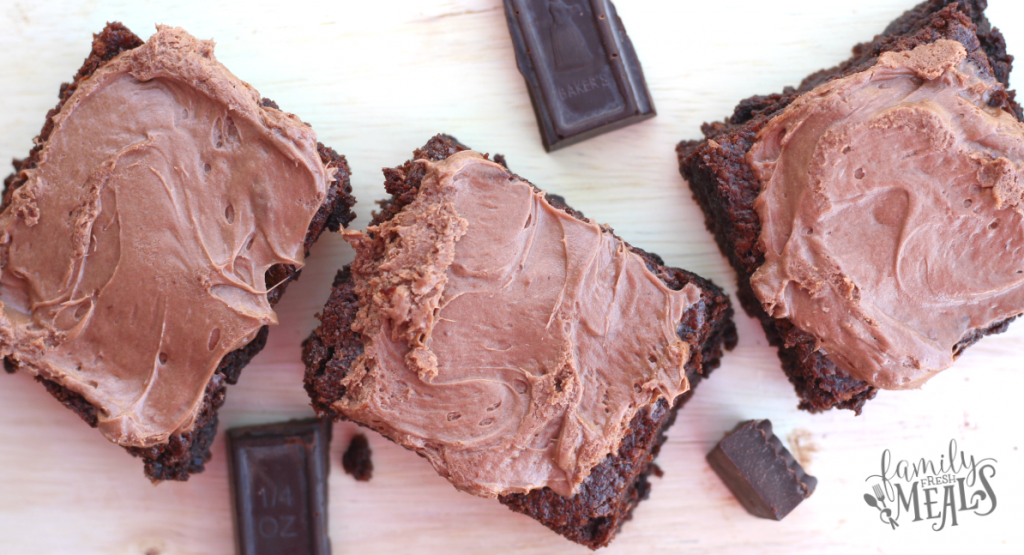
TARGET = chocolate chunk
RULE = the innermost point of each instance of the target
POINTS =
(356, 460)
(279, 487)
(759, 471)
(580, 67)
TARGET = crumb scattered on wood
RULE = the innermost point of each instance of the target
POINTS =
(801, 443)
(356, 460)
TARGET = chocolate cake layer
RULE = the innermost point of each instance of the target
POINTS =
(604, 499)
(726, 187)
(185, 450)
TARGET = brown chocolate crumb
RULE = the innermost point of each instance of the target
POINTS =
(356, 459)
(803, 446)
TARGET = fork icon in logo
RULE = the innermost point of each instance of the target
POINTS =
(884, 513)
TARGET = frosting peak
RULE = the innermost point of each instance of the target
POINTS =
(133, 257)
(505, 341)
(892, 214)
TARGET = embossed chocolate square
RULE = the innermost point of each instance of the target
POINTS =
(279, 487)
(580, 67)
(759, 470)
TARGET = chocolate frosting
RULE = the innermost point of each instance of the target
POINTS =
(506, 341)
(133, 257)
(891, 211)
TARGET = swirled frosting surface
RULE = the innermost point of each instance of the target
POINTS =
(133, 257)
(891, 211)
(505, 341)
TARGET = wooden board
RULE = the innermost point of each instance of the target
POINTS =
(376, 79)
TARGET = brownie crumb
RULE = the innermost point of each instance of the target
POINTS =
(356, 460)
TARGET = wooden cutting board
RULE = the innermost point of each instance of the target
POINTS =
(376, 79)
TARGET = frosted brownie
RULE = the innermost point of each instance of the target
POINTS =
(874, 213)
(162, 212)
(526, 352)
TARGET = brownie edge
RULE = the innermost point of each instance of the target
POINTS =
(616, 485)
(185, 453)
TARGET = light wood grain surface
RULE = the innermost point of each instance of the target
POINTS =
(376, 79)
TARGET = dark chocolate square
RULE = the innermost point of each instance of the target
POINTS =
(581, 70)
(279, 487)
(760, 471)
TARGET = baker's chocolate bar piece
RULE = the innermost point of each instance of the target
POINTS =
(580, 67)
(759, 471)
(279, 487)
